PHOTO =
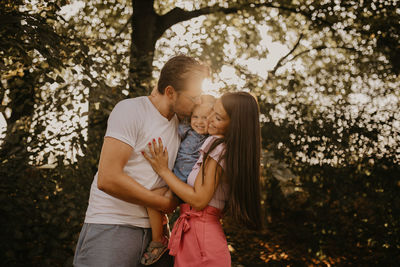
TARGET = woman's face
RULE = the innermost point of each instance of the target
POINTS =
(218, 121)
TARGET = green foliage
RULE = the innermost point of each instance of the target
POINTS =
(43, 208)
(342, 198)
(42, 212)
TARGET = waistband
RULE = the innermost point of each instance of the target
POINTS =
(209, 210)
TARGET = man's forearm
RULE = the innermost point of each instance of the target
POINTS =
(123, 187)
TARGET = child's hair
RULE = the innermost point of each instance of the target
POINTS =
(208, 99)
(242, 158)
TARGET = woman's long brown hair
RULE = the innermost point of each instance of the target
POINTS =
(242, 159)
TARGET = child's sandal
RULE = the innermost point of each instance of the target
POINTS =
(149, 257)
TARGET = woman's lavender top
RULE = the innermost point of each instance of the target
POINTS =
(221, 193)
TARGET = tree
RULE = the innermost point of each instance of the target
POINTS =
(151, 19)
(338, 17)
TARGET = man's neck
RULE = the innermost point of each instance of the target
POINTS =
(162, 104)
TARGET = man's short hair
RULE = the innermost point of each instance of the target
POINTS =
(177, 70)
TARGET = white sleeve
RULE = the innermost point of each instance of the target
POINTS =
(123, 123)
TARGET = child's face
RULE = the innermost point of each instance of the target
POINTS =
(199, 121)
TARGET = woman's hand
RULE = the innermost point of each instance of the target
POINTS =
(158, 158)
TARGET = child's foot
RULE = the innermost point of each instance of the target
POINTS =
(154, 252)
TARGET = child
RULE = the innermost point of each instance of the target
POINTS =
(192, 138)
(225, 180)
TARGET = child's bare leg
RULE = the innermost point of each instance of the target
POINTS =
(156, 218)
(156, 224)
(157, 231)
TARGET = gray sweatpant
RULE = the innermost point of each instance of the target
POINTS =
(103, 245)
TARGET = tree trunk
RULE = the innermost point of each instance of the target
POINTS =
(144, 37)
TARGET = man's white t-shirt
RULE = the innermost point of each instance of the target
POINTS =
(136, 122)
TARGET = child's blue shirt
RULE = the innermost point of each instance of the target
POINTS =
(188, 152)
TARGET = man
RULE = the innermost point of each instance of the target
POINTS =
(116, 229)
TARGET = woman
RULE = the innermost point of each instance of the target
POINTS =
(225, 180)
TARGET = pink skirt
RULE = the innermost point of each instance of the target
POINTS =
(197, 239)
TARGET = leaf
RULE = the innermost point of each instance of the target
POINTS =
(86, 82)
(59, 79)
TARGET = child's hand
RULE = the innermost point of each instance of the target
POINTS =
(159, 156)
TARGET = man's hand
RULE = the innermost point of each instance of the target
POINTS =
(171, 203)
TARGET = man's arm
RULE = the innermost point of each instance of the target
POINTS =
(113, 181)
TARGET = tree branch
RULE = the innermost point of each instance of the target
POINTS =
(321, 47)
(124, 27)
(288, 54)
(177, 15)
